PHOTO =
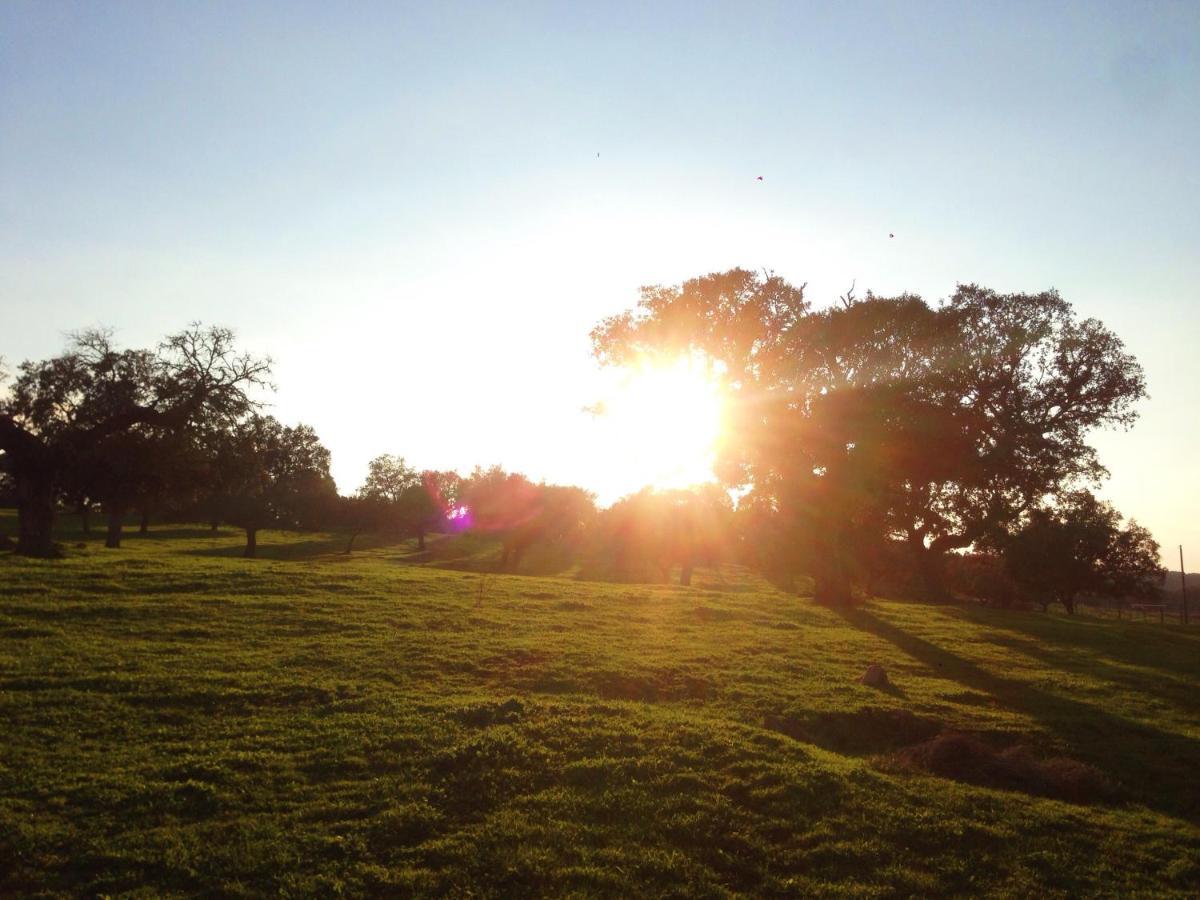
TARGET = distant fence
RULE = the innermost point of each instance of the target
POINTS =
(1161, 613)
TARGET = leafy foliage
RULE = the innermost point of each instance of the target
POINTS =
(268, 475)
(1078, 548)
(886, 417)
(521, 514)
(98, 400)
(645, 535)
(396, 497)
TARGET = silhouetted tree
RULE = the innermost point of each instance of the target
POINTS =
(556, 515)
(521, 514)
(122, 469)
(7, 493)
(884, 416)
(1027, 381)
(388, 477)
(77, 492)
(1077, 548)
(360, 515)
(268, 475)
(807, 394)
(501, 504)
(445, 487)
(60, 408)
(653, 531)
(410, 501)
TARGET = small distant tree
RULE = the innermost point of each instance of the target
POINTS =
(407, 501)
(504, 505)
(444, 486)
(268, 475)
(695, 528)
(1078, 548)
(650, 532)
(359, 515)
(388, 477)
(556, 515)
(509, 506)
(420, 510)
(1131, 567)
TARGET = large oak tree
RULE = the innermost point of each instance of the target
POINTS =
(888, 417)
(59, 410)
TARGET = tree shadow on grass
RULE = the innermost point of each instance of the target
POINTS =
(1155, 767)
(482, 554)
(171, 533)
(1172, 686)
(314, 548)
(1172, 650)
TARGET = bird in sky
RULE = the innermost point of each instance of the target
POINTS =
(760, 178)
(891, 235)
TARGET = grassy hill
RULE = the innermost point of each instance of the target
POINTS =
(178, 720)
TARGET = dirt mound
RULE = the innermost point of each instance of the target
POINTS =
(483, 715)
(875, 676)
(966, 758)
(652, 686)
(863, 731)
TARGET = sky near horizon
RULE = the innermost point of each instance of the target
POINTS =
(420, 211)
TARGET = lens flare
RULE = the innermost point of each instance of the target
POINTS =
(662, 425)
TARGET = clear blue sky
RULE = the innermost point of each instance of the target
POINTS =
(405, 206)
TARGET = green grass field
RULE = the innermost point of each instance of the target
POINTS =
(180, 721)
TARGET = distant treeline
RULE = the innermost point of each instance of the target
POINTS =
(1172, 584)
(1173, 590)
(878, 444)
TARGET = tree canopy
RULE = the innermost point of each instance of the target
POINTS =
(60, 409)
(874, 427)
(269, 475)
(886, 416)
(1077, 547)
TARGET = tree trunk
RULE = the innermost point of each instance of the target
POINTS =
(214, 524)
(144, 524)
(685, 572)
(420, 537)
(931, 569)
(350, 543)
(115, 520)
(251, 543)
(35, 518)
(832, 586)
(831, 571)
(85, 521)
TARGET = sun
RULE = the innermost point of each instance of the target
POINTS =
(661, 426)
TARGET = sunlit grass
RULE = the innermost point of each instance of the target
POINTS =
(181, 720)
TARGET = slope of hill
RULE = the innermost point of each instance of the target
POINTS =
(182, 721)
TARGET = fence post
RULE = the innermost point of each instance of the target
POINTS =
(1183, 584)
